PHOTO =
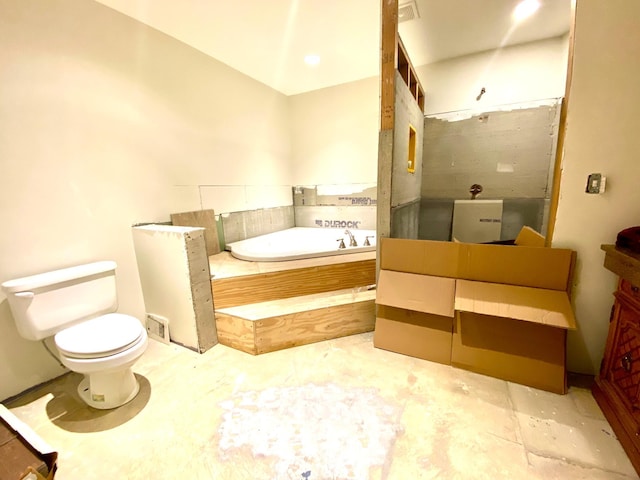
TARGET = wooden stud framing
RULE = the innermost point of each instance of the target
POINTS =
(562, 129)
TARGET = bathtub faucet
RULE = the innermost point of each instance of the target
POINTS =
(352, 240)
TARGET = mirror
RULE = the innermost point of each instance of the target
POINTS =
(492, 111)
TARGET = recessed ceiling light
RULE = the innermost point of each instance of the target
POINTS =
(525, 9)
(312, 59)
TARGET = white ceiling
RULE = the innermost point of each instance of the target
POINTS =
(268, 39)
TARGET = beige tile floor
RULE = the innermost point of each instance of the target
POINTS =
(335, 409)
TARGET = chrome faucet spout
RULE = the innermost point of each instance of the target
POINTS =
(352, 240)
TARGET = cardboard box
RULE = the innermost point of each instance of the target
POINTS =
(23, 455)
(535, 305)
(528, 237)
(511, 302)
(513, 333)
(508, 264)
(424, 257)
(514, 350)
(415, 315)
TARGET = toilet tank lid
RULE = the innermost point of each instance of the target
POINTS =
(57, 276)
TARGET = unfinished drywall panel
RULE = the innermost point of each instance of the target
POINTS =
(508, 151)
(174, 274)
(602, 136)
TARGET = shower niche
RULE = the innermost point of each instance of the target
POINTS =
(509, 151)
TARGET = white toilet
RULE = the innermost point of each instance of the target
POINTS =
(76, 305)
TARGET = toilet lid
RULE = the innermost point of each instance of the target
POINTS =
(99, 337)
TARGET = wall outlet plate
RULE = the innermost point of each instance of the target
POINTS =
(595, 183)
(158, 328)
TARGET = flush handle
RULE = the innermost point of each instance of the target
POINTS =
(25, 295)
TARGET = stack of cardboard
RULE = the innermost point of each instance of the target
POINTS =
(499, 310)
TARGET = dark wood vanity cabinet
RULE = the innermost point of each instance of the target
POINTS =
(617, 387)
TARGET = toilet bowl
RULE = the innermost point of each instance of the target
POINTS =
(104, 349)
(77, 307)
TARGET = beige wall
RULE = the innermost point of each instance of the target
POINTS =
(602, 136)
(334, 134)
(522, 73)
(101, 118)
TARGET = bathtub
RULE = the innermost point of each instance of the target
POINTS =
(300, 242)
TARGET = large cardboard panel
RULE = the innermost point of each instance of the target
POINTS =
(426, 257)
(421, 293)
(536, 305)
(417, 334)
(517, 351)
(516, 265)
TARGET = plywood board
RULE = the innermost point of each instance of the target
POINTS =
(242, 290)
(289, 306)
(236, 333)
(312, 326)
(201, 218)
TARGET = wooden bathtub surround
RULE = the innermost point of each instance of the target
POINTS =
(300, 302)
(263, 287)
(279, 324)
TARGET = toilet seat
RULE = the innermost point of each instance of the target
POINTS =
(100, 337)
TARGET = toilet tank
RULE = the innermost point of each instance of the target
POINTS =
(46, 303)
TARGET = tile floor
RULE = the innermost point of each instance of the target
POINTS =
(335, 409)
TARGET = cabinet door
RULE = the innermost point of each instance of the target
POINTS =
(624, 370)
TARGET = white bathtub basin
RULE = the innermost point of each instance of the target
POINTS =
(300, 242)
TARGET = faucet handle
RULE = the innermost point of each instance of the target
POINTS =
(366, 240)
(341, 244)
